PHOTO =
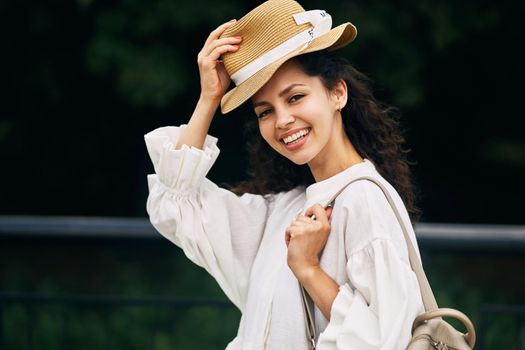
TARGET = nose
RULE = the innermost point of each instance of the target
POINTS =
(284, 119)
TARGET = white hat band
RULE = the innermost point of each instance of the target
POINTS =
(321, 22)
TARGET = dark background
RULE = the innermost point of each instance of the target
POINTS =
(83, 81)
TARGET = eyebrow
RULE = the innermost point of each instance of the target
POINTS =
(285, 91)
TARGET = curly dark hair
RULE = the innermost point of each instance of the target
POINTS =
(372, 127)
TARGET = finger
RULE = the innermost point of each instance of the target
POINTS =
(218, 31)
(319, 212)
(329, 211)
(212, 59)
(299, 225)
(233, 40)
(221, 70)
(215, 54)
(305, 220)
(310, 211)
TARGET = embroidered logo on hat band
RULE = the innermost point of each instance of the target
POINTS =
(321, 22)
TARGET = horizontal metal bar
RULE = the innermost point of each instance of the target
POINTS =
(108, 300)
(430, 235)
(471, 236)
(503, 309)
(76, 226)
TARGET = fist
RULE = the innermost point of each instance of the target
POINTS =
(306, 237)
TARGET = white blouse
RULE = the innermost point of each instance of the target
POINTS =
(240, 242)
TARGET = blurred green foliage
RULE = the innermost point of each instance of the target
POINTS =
(85, 80)
(462, 280)
(149, 45)
(60, 327)
(125, 268)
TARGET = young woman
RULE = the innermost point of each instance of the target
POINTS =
(319, 127)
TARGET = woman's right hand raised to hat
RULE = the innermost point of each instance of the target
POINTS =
(213, 76)
(214, 83)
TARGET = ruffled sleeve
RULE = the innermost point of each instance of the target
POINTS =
(183, 169)
(376, 307)
(216, 229)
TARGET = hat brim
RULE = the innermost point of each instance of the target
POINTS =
(337, 37)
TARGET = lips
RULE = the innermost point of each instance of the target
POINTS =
(295, 139)
(294, 135)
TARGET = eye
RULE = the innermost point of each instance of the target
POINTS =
(264, 113)
(296, 98)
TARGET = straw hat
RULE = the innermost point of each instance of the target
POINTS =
(272, 33)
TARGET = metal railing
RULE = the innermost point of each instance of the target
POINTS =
(431, 236)
(104, 305)
(32, 301)
(514, 313)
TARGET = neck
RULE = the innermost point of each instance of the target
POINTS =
(336, 157)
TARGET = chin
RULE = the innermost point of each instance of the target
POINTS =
(299, 157)
(298, 160)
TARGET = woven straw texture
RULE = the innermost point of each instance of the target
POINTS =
(264, 28)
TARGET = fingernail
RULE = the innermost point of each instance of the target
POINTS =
(232, 20)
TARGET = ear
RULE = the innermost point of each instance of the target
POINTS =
(339, 94)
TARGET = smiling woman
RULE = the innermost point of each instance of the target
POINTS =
(302, 121)
(319, 129)
(371, 127)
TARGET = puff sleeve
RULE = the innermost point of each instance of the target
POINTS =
(215, 228)
(376, 307)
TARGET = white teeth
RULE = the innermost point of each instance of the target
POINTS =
(295, 136)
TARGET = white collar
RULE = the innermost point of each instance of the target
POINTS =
(322, 191)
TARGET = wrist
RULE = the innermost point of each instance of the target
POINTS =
(308, 273)
(205, 110)
(211, 102)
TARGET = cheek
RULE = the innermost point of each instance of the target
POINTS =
(266, 131)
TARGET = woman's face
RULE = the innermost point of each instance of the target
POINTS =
(298, 116)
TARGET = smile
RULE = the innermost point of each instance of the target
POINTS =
(296, 137)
